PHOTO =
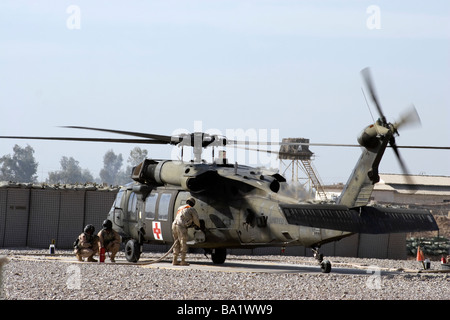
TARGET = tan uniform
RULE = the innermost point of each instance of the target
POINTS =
(186, 217)
(87, 247)
(110, 240)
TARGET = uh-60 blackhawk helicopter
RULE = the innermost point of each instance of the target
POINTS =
(244, 207)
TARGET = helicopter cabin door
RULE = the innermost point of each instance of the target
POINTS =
(158, 221)
(131, 216)
(116, 211)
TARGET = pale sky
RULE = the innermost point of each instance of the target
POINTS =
(291, 68)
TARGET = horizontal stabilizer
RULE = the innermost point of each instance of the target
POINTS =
(366, 219)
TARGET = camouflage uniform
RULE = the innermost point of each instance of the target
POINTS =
(110, 240)
(87, 247)
(186, 217)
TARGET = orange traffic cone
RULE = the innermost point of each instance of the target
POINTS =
(420, 256)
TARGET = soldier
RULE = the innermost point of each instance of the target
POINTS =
(87, 244)
(109, 239)
(186, 218)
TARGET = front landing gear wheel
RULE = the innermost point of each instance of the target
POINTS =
(132, 251)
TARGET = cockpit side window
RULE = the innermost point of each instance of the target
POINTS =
(132, 203)
(150, 206)
(118, 201)
(163, 208)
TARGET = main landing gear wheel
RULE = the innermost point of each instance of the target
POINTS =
(325, 265)
(218, 256)
(132, 251)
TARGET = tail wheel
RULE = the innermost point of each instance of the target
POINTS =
(325, 265)
(132, 251)
(218, 256)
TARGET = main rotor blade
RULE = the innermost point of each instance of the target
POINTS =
(151, 141)
(264, 143)
(279, 153)
(163, 138)
(424, 147)
(143, 141)
(252, 143)
(369, 83)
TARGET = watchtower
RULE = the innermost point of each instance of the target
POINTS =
(296, 151)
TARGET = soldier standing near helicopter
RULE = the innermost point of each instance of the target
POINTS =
(187, 217)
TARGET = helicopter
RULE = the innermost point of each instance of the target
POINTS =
(244, 207)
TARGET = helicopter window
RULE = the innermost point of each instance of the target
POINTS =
(132, 202)
(150, 206)
(163, 209)
(118, 201)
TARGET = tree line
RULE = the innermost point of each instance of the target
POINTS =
(21, 166)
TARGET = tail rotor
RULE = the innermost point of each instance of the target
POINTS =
(408, 118)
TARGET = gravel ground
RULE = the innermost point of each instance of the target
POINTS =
(34, 275)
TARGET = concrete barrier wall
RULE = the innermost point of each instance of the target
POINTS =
(33, 217)
(16, 217)
(44, 218)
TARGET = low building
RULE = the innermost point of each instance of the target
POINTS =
(416, 190)
(426, 190)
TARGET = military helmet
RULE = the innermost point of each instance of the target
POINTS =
(89, 229)
(107, 225)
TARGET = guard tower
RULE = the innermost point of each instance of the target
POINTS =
(296, 152)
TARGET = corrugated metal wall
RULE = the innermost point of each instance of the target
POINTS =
(33, 217)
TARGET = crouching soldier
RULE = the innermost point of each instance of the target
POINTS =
(86, 245)
(109, 239)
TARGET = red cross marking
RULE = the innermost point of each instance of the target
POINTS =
(157, 231)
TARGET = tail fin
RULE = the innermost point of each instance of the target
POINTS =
(359, 186)
(374, 139)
